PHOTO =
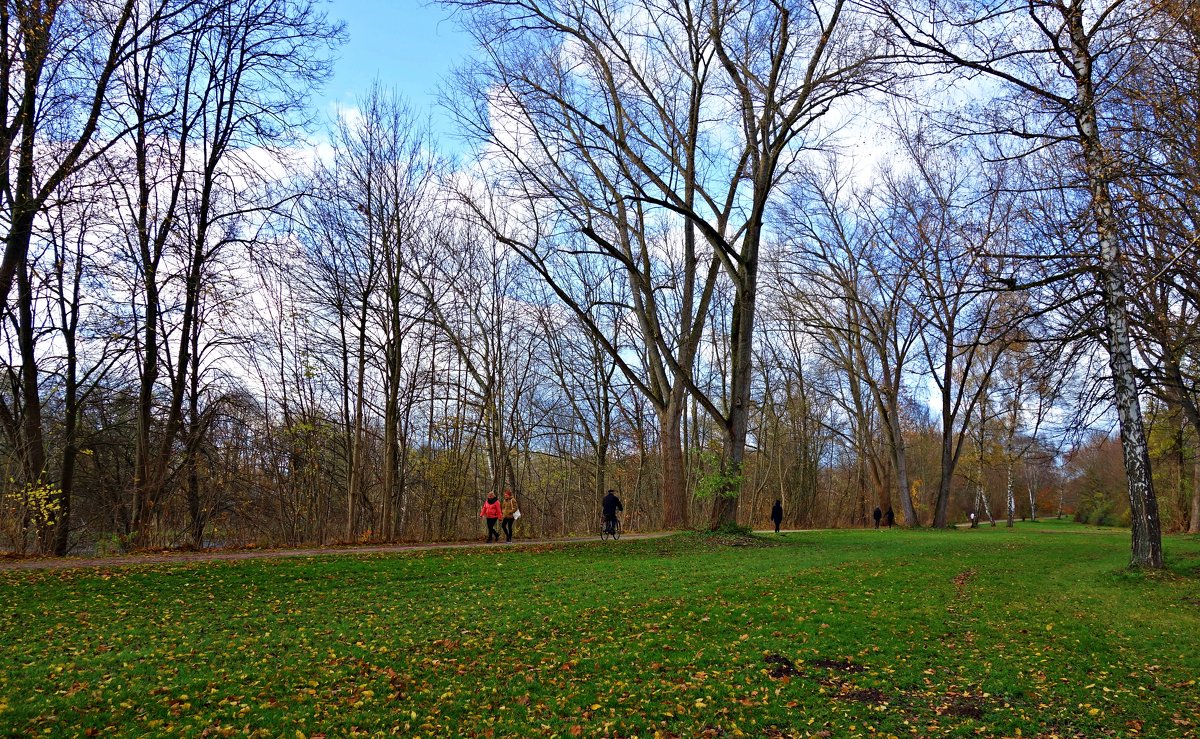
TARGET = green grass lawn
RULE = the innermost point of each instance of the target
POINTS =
(1038, 631)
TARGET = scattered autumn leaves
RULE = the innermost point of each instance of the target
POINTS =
(826, 634)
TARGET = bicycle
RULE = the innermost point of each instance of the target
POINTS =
(615, 533)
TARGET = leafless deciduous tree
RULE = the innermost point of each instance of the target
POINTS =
(1159, 114)
(56, 68)
(228, 86)
(368, 227)
(620, 121)
(952, 223)
(854, 293)
(1058, 62)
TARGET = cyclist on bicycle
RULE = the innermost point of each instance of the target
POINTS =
(611, 505)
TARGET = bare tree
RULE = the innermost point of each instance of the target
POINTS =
(586, 377)
(1057, 63)
(854, 294)
(612, 127)
(1160, 110)
(469, 287)
(235, 79)
(56, 69)
(795, 426)
(89, 353)
(951, 222)
(364, 231)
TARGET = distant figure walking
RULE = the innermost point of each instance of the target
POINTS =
(777, 514)
(611, 504)
(508, 508)
(878, 514)
(491, 513)
(974, 520)
(891, 517)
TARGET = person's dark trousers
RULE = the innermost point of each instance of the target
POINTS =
(776, 528)
(492, 533)
(609, 523)
(507, 525)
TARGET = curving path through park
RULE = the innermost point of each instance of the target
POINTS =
(67, 563)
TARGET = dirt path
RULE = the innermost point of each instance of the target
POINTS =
(784, 531)
(67, 563)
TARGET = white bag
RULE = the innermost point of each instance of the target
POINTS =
(516, 514)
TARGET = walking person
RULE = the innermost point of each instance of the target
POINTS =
(891, 517)
(878, 514)
(491, 513)
(777, 514)
(611, 504)
(508, 508)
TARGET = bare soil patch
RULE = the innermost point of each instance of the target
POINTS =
(784, 667)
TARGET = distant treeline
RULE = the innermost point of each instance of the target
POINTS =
(656, 265)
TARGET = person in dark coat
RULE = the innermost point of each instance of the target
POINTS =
(891, 517)
(611, 504)
(878, 514)
(777, 514)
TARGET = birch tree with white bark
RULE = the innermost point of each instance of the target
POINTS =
(1056, 64)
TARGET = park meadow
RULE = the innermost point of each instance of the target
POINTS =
(1040, 630)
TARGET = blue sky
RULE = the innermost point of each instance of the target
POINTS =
(409, 45)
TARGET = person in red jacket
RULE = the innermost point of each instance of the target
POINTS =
(491, 513)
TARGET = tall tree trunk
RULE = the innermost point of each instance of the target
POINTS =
(670, 444)
(941, 514)
(354, 480)
(1146, 544)
(941, 507)
(66, 485)
(987, 507)
(1009, 492)
(1010, 459)
(33, 444)
(741, 338)
(1194, 522)
(981, 496)
(195, 437)
(979, 491)
(391, 422)
(900, 459)
(400, 504)
(391, 475)
(159, 461)
(1181, 481)
(348, 413)
(24, 209)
